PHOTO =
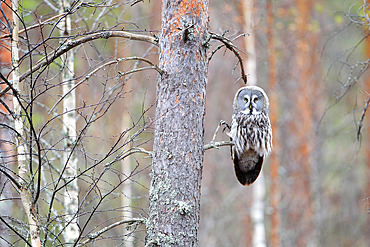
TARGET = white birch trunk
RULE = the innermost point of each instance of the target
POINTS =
(70, 161)
(26, 197)
(250, 42)
(126, 201)
(257, 210)
(127, 185)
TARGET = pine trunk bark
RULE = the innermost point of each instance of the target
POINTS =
(301, 223)
(179, 129)
(275, 189)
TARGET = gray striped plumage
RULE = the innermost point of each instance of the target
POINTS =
(250, 132)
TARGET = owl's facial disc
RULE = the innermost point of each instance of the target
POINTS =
(250, 102)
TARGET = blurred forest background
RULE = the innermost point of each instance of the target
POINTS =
(312, 59)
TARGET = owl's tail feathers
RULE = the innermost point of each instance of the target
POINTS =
(247, 178)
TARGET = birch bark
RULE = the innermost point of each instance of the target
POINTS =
(70, 161)
(258, 205)
(23, 172)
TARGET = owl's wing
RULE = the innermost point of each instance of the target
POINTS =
(247, 168)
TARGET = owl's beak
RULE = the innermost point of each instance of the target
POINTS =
(250, 106)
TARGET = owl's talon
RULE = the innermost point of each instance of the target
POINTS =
(226, 127)
(222, 122)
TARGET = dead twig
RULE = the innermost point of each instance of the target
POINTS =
(228, 43)
(94, 235)
(361, 120)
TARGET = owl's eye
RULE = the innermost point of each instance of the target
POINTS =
(246, 100)
(255, 100)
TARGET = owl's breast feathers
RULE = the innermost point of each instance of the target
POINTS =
(252, 139)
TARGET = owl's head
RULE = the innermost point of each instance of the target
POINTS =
(251, 100)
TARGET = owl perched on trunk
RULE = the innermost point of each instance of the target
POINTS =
(250, 132)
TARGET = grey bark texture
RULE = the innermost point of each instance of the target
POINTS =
(179, 130)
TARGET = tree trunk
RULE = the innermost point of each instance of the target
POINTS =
(301, 223)
(70, 161)
(6, 149)
(275, 188)
(23, 172)
(126, 169)
(366, 123)
(179, 129)
(257, 211)
(250, 41)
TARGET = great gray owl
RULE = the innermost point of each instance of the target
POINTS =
(250, 132)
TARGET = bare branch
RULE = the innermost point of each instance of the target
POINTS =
(15, 231)
(152, 243)
(107, 64)
(94, 235)
(137, 150)
(94, 36)
(4, 91)
(214, 144)
(16, 184)
(36, 25)
(217, 144)
(228, 43)
(362, 119)
(71, 44)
